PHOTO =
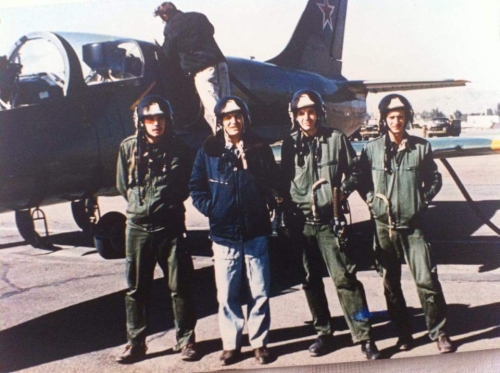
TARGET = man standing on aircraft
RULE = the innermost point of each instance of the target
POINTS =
(233, 182)
(314, 160)
(401, 178)
(153, 174)
(189, 38)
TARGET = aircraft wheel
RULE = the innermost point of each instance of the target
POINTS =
(84, 212)
(109, 235)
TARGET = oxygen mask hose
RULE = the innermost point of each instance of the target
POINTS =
(314, 200)
(388, 204)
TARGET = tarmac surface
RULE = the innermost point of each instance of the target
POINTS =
(62, 310)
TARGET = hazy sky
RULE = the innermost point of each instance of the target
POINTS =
(386, 40)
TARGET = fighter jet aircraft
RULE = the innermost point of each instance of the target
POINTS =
(67, 101)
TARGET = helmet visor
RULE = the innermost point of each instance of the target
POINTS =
(151, 110)
(304, 101)
(395, 104)
(230, 107)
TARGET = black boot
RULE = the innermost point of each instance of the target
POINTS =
(370, 350)
(444, 344)
(321, 345)
(405, 342)
(132, 354)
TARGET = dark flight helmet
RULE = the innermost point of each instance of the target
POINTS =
(393, 102)
(155, 105)
(306, 98)
(231, 104)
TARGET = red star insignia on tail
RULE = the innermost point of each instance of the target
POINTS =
(327, 11)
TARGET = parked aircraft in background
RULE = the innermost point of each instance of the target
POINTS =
(67, 101)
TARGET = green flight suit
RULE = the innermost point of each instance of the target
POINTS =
(328, 155)
(398, 185)
(155, 232)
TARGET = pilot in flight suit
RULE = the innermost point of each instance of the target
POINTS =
(315, 160)
(152, 174)
(400, 179)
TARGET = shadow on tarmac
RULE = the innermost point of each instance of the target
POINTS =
(76, 238)
(444, 221)
(45, 339)
(93, 325)
(100, 323)
(462, 319)
(453, 220)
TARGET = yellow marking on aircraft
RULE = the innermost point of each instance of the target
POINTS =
(495, 144)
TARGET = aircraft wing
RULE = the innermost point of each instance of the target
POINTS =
(376, 87)
(450, 147)
(447, 147)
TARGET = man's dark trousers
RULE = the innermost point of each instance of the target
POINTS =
(320, 244)
(143, 250)
(409, 244)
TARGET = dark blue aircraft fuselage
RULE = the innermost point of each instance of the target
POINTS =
(59, 140)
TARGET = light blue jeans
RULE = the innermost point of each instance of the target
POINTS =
(247, 264)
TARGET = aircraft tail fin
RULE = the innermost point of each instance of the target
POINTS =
(317, 42)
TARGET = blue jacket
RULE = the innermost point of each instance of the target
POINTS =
(234, 199)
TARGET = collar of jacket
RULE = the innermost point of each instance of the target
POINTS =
(164, 144)
(322, 134)
(176, 13)
(411, 143)
(214, 145)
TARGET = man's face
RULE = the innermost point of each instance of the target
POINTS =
(307, 117)
(164, 17)
(396, 120)
(233, 124)
(155, 127)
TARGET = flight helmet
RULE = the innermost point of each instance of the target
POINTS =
(231, 104)
(306, 98)
(392, 102)
(155, 105)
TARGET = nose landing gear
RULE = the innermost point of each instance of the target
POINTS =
(25, 221)
(108, 231)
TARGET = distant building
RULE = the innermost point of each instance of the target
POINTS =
(481, 121)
